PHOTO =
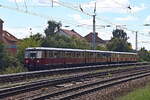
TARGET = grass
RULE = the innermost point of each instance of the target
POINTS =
(138, 94)
(10, 70)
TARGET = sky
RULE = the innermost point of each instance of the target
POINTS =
(25, 17)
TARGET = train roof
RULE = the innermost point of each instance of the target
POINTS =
(80, 50)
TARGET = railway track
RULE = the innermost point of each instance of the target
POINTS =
(36, 74)
(74, 92)
(7, 92)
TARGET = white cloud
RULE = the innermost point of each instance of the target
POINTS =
(42, 2)
(16, 0)
(147, 20)
(128, 18)
(21, 33)
(115, 6)
(138, 8)
(81, 20)
(47, 2)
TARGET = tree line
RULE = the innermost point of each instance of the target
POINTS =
(51, 39)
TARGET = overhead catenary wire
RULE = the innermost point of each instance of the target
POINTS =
(33, 13)
(64, 5)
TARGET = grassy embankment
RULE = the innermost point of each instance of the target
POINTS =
(138, 94)
(10, 70)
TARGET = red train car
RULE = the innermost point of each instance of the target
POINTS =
(48, 58)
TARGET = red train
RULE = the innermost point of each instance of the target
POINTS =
(37, 58)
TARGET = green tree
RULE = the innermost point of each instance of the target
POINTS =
(37, 37)
(120, 34)
(144, 55)
(53, 27)
(2, 55)
(32, 41)
(62, 41)
(119, 42)
(101, 47)
(6, 60)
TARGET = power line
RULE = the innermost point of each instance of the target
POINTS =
(33, 13)
(16, 4)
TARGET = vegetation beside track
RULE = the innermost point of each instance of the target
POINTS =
(138, 94)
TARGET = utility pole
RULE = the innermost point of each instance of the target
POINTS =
(136, 41)
(94, 34)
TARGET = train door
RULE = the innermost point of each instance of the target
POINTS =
(33, 57)
(88, 57)
(108, 55)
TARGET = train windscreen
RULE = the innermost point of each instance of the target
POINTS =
(33, 54)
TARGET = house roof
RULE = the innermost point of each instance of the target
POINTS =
(72, 33)
(1, 21)
(89, 38)
(6, 35)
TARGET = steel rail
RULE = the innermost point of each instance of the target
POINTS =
(53, 82)
(91, 87)
(29, 75)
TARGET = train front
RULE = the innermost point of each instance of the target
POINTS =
(32, 59)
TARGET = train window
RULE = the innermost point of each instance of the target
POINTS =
(78, 55)
(50, 54)
(91, 55)
(83, 54)
(32, 55)
(47, 54)
(61, 54)
(99, 55)
(39, 54)
(73, 54)
(55, 54)
(67, 54)
(26, 54)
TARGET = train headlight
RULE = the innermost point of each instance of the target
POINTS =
(26, 61)
(37, 61)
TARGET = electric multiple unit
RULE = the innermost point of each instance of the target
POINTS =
(43, 58)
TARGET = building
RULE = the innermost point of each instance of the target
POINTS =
(69, 33)
(98, 40)
(8, 39)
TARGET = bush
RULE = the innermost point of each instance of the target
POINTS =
(10, 70)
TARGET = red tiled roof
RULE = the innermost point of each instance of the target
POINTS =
(89, 38)
(9, 36)
(72, 33)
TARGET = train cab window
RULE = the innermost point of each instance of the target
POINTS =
(32, 55)
(26, 54)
